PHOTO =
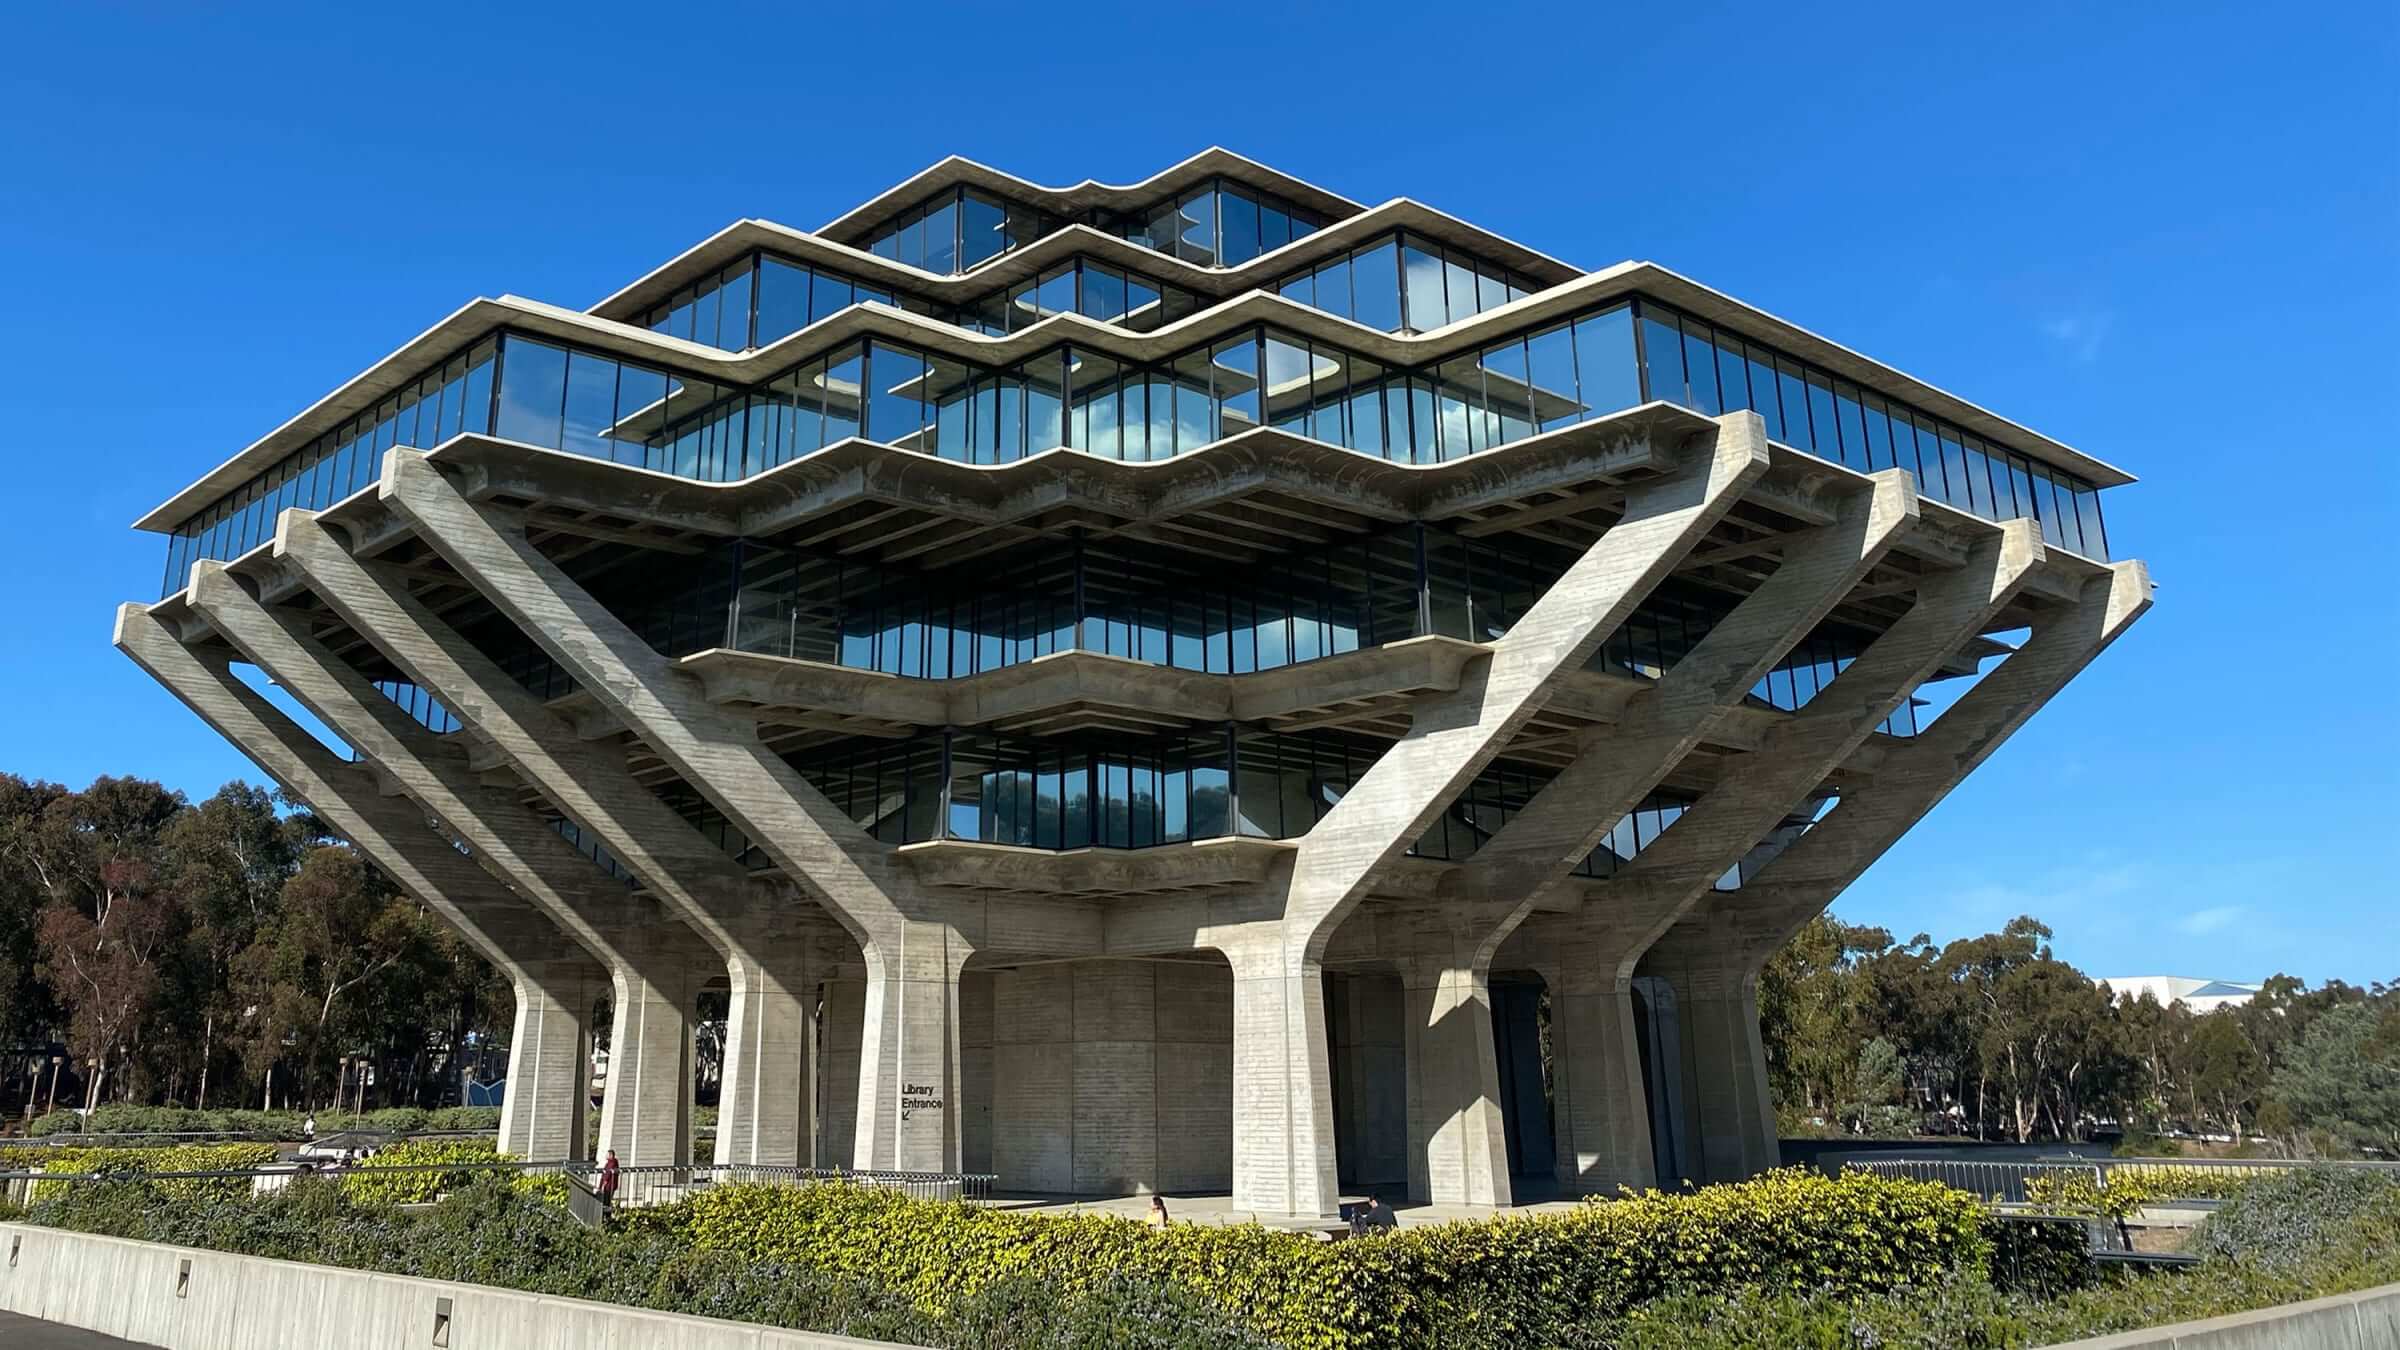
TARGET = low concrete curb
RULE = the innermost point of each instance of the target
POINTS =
(2366, 1320)
(186, 1299)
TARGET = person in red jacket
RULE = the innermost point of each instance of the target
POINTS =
(608, 1181)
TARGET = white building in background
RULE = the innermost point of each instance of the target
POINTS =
(2201, 996)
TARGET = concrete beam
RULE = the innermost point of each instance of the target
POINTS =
(556, 984)
(1566, 820)
(765, 1115)
(912, 940)
(655, 962)
(1598, 949)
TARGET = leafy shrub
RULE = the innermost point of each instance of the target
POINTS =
(67, 1159)
(2133, 1187)
(2281, 1218)
(2041, 1255)
(465, 1159)
(288, 1125)
(1506, 1281)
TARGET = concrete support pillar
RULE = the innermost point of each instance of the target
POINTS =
(766, 1112)
(646, 1112)
(1603, 1113)
(1729, 1121)
(1283, 1155)
(1457, 1136)
(549, 1065)
(909, 1062)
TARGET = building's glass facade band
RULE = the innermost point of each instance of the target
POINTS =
(588, 403)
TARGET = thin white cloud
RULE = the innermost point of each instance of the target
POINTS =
(2212, 919)
(2080, 335)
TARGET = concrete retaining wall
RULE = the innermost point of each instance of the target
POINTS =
(2368, 1320)
(198, 1300)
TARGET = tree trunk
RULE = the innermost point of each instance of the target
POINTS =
(208, 1036)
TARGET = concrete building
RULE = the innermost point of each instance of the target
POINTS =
(1200, 685)
(2201, 996)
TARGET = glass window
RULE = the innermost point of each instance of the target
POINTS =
(1103, 295)
(828, 295)
(941, 238)
(1240, 223)
(1333, 288)
(591, 404)
(1824, 427)
(1375, 287)
(533, 389)
(1507, 393)
(782, 299)
(1700, 366)
(1608, 377)
(1550, 378)
(1234, 368)
(896, 409)
(983, 229)
(733, 324)
(1662, 354)
(1459, 279)
(1762, 391)
(1196, 227)
(1287, 385)
(1426, 308)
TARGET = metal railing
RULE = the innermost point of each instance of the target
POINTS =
(2001, 1182)
(636, 1187)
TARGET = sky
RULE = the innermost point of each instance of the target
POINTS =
(2165, 239)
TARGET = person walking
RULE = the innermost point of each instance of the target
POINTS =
(608, 1181)
(1158, 1212)
(308, 1128)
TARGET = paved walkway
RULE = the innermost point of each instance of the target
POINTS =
(24, 1333)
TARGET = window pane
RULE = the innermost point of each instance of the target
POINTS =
(1823, 426)
(782, 300)
(733, 325)
(1375, 287)
(941, 238)
(1426, 308)
(896, 412)
(1287, 385)
(983, 229)
(533, 387)
(1241, 229)
(1333, 288)
(591, 406)
(1550, 370)
(845, 392)
(1506, 393)
(1606, 372)
(1662, 353)
(828, 295)
(1700, 367)
(1234, 368)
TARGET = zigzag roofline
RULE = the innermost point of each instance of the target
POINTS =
(482, 317)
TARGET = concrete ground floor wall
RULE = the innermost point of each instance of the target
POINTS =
(186, 1299)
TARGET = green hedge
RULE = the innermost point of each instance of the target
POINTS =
(1507, 1281)
(262, 1124)
(2133, 1187)
(67, 1158)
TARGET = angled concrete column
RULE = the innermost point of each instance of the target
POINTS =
(834, 861)
(908, 1110)
(555, 982)
(652, 958)
(1283, 1145)
(1603, 1114)
(549, 1065)
(1714, 954)
(1567, 819)
(763, 1113)
(1283, 1154)
(1457, 1134)
(1452, 736)
(1759, 791)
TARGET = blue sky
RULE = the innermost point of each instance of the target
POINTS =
(2167, 240)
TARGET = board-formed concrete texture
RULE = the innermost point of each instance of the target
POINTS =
(1197, 685)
